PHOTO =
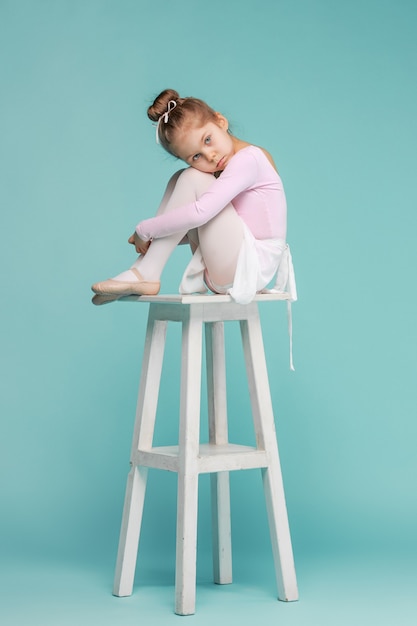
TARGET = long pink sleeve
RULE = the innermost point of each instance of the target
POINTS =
(249, 182)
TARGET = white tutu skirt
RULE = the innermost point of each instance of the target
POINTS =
(259, 261)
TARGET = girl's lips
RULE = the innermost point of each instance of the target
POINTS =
(221, 162)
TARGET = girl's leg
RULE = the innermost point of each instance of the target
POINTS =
(220, 242)
(184, 187)
(220, 239)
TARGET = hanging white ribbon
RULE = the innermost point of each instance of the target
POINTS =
(285, 283)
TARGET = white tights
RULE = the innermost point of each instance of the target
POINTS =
(219, 239)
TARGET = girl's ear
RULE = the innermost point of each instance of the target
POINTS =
(222, 121)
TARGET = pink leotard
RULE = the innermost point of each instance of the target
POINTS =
(249, 182)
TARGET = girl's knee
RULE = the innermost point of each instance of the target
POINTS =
(193, 181)
(195, 178)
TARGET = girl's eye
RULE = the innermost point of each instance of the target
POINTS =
(196, 157)
(207, 139)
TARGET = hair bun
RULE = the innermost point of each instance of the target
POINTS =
(160, 104)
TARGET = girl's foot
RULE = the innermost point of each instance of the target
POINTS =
(136, 286)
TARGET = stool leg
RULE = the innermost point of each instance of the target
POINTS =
(220, 483)
(142, 439)
(187, 503)
(266, 440)
(130, 531)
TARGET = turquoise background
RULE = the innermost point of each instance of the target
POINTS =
(330, 89)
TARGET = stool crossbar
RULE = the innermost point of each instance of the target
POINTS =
(218, 457)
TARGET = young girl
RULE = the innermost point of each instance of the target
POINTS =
(229, 204)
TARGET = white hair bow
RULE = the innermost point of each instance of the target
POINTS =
(171, 105)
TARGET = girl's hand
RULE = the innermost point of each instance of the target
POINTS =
(140, 245)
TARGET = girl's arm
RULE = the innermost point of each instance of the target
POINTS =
(240, 174)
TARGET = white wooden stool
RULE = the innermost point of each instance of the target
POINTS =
(190, 458)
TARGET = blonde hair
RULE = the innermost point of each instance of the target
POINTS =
(187, 113)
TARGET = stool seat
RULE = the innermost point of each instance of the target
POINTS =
(212, 299)
(191, 457)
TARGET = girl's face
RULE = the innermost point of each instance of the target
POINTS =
(207, 148)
